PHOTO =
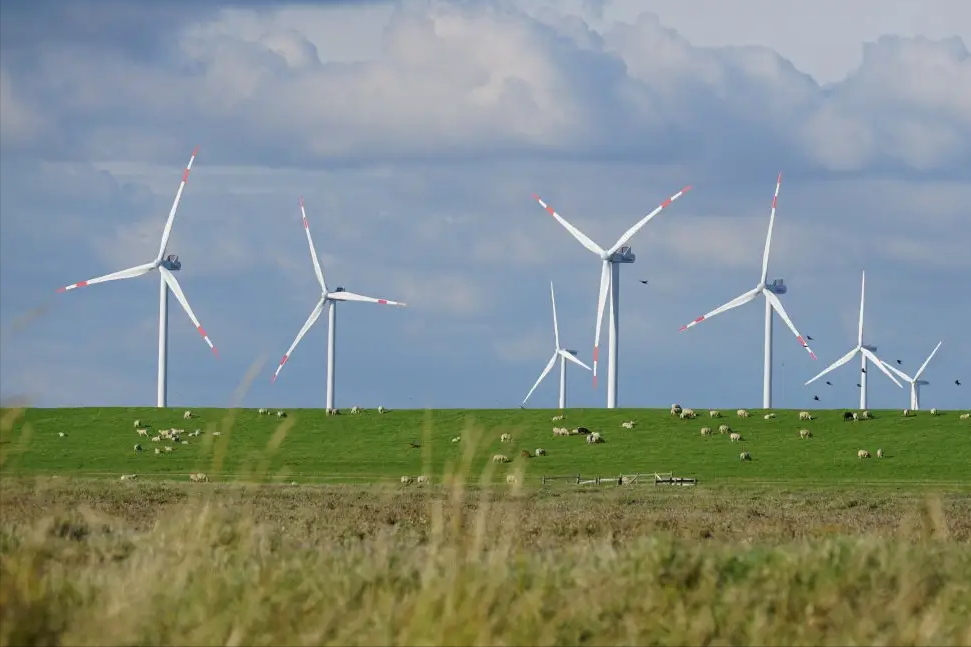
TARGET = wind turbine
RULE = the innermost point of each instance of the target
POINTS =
(915, 382)
(772, 302)
(866, 352)
(564, 354)
(611, 260)
(167, 280)
(329, 299)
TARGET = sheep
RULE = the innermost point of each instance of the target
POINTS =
(505, 438)
(686, 414)
(856, 416)
(186, 415)
(735, 437)
(500, 458)
(742, 413)
(706, 431)
(333, 412)
(691, 412)
(138, 447)
(355, 410)
(879, 453)
(155, 439)
(805, 433)
(60, 434)
(848, 415)
(865, 415)
(511, 479)
(381, 409)
(933, 412)
(556, 418)
(405, 480)
(594, 438)
(744, 456)
(281, 414)
(965, 416)
(715, 414)
(629, 424)
(540, 451)
(138, 423)
(167, 448)
(561, 431)
(908, 413)
(157, 451)
(263, 411)
(863, 454)
(217, 433)
(142, 432)
(198, 477)
(805, 415)
(768, 416)
(724, 429)
(456, 439)
(128, 477)
(676, 409)
(422, 480)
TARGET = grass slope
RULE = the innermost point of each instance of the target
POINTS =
(307, 445)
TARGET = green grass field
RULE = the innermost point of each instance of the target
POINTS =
(308, 446)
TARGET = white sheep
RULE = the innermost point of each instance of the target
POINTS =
(142, 432)
(965, 416)
(724, 429)
(863, 454)
(805, 415)
(540, 451)
(706, 431)
(933, 412)
(805, 433)
(594, 438)
(500, 458)
(60, 434)
(217, 433)
(333, 412)
(405, 480)
(865, 415)
(157, 451)
(198, 477)
(879, 453)
(281, 414)
(744, 456)
(456, 439)
(715, 414)
(155, 439)
(263, 412)
(422, 480)
(167, 448)
(355, 410)
(511, 479)
(907, 413)
(676, 409)
(381, 409)
(556, 418)
(768, 416)
(735, 437)
(629, 424)
(742, 413)
(138, 447)
(128, 477)
(138, 423)
(686, 414)
(561, 431)
(186, 415)
(856, 416)
(505, 438)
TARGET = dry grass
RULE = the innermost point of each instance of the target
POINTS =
(113, 563)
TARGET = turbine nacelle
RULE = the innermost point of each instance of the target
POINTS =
(622, 255)
(777, 286)
(171, 263)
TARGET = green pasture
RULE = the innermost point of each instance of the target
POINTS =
(308, 446)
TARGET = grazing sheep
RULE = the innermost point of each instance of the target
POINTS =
(186, 415)
(856, 416)
(217, 433)
(724, 429)
(405, 480)
(128, 477)
(556, 418)
(933, 412)
(742, 413)
(155, 439)
(60, 434)
(908, 413)
(157, 451)
(744, 456)
(686, 414)
(863, 454)
(848, 415)
(167, 448)
(138, 447)
(735, 437)
(865, 415)
(676, 409)
(581, 430)
(142, 432)
(879, 453)
(138, 423)
(628, 424)
(281, 414)
(768, 416)
(505, 438)
(965, 416)
(456, 439)
(511, 479)
(715, 414)
(594, 438)
(381, 409)
(706, 431)
(525, 454)
(805, 433)
(333, 412)
(500, 458)
(198, 477)
(262, 411)
(805, 415)
(561, 431)
(355, 410)
(691, 412)
(540, 451)
(422, 480)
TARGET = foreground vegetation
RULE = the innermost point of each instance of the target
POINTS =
(105, 563)
(307, 446)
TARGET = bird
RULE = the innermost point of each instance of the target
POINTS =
(899, 362)
(829, 383)
(958, 382)
(816, 397)
(863, 370)
(809, 338)
(644, 281)
(858, 386)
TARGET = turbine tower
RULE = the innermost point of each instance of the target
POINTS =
(772, 302)
(866, 352)
(329, 299)
(165, 266)
(611, 260)
(915, 382)
(565, 356)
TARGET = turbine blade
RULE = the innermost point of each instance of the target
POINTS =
(859, 339)
(314, 315)
(579, 235)
(777, 306)
(646, 219)
(768, 237)
(313, 252)
(927, 361)
(350, 296)
(601, 302)
(835, 365)
(900, 373)
(569, 357)
(734, 303)
(167, 231)
(546, 371)
(173, 284)
(130, 273)
(556, 327)
(870, 355)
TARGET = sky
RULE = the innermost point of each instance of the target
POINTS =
(417, 132)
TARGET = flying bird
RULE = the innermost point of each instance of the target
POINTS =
(816, 397)
(644, 281)
(829, 383)
(958, 382)
(899, 362)
(808, 338)
(858, 386)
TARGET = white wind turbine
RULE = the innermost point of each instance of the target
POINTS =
(611, 260)
(866, 352)
(564, 354)
(915, 382)
(167, 280)
(329, 299)
(772, 302)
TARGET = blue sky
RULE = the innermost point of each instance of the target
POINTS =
(417, 132)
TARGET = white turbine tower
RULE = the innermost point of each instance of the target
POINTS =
(772, 302)
(866, 352)
(915, 382)
(329, 299)
(564, 354)
(167, 280)
(611, 260)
